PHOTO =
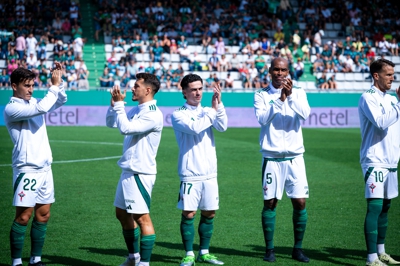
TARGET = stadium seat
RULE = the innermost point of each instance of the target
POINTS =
(337, 26)
(359, 77)
(311, 85)
(396, 59)
(108, 48)
(349, 76)
(397, 68)
(339, 76)
(2, 63)
(49, 47)
(175, 58)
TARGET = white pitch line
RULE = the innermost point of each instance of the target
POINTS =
(77, 161)
(87, 142)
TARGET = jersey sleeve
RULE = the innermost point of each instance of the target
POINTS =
(221, 121)
(265, 112)
(61, 97)
(376, 114)
(299, 103)
(146, 122)
(111, 117)
(186, 124)
(17, 112)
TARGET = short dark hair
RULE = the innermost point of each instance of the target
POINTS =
(378, 64)
(189, 79)
(21, 74)
(151, 80)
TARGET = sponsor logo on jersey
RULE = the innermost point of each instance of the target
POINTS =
(130, 201)
(372, 187)
(152, 107)
(370, 91)
(21, 195)
(271, 102)
(192, 118)
(129, 207)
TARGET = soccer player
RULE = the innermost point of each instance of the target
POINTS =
(197, 166)
(280, 108)
(142, 127)
(379, 156)
(24, 117)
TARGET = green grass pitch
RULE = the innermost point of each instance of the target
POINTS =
(83, 229)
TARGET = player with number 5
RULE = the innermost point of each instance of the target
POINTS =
(280, 108)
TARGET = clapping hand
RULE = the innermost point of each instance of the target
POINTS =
(287, 86)
(56, 74)
(116, 95)
(216, 98)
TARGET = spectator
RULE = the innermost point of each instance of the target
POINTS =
(213, 62)
(31, 44)
(118, 44)
(332, 82)
(4, 79)
(256, 83)
(166, 43)
(150, 69)
(184, 54)
(72, 79)
(20, 46)
(322, 83)
(228, 81)
(235, 63)
(220, 46)
(132, 69)
(73, 12)
(265, 46)
(12, 66)
(66, 27)
(279, 35)
(214, 28)
(318, 40)
(298, 69)
(5, 38)
(31, 61)
(78, 48)
(43, 41)
(195, 62)
(224, 64)
(156, 53)
(259, 60)
(43, 73)
(106, 80)
(206, 42)
(11, 56)
(173, 49)
(394, 47)
(76, 31)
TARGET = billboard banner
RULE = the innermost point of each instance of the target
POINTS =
(320, 117)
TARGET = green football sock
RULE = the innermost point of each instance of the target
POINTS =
(268, 225)
(206, 228)
(187, 233)
(299, 226)
(374, 209)
(38, 234)
(17, 237)
(146, 247)
(383, 221)
(131, 238)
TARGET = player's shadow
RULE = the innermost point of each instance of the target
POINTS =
(215, 249)
(61, 260)
(326, 255)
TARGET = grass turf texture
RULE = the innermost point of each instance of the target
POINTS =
(83, 229)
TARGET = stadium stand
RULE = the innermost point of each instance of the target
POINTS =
(346, 35)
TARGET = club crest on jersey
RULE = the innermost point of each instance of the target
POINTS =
(21, 195)
(372, 187)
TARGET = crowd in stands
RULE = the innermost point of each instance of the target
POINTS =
(161, 28)
(262, 30)
(34, 34)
